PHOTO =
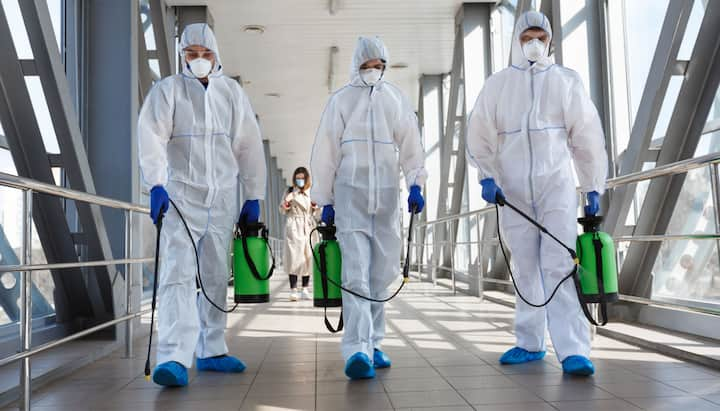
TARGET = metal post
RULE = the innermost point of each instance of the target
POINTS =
(418, 253)
(452, 257)
(26, 300)
(481, 266)
(714, 181)
(128, 285)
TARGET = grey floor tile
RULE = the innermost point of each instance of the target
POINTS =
(482, 381)
(520, 406)
(361, 402)
(449, 408)
(570, 392)
(491, 396)
(284, 389)
(407, 373)
(677, 374)
(595, 405)
(641, 389)
(427, 399)
(698, 387)
(467, 371)
(675, 403)
(276, 402)
(349, 387)
(425, 384)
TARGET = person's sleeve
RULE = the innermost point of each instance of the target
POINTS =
(326, 156)
(585, 138)
(482, 137)
(409, 142)
(155, 125)
(247, 146)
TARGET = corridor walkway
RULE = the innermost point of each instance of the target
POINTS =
(444, 350)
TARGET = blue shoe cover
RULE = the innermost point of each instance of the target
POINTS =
(170, 374)
(380, 359)
(578, 365)
(222, 363)
(517, 355)
(359, 367)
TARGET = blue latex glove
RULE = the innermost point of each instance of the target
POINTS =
(490, 191)
(250, 212)
(593, 207)
(328, 215)
(416, 200)
(159, 203)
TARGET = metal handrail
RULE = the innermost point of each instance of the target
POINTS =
(22, 183)
(676, 168)
(29, 186)
(82, 264)
(679, 167)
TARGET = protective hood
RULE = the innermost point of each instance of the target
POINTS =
(367, 48)
(200, 34)
(527, 20)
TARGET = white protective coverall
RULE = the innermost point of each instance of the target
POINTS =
(300, 223)
(366, 135)
(195, 142)
(529, 123)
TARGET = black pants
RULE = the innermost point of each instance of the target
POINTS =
(293, 281)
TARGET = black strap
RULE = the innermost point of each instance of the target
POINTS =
(578, 289)
(597, 244)
(251, 263)
(325, 296)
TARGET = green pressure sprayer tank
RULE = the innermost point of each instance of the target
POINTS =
(253, 264)
(327, 264)
(597, 274)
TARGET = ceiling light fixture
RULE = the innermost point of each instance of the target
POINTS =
(254, 29)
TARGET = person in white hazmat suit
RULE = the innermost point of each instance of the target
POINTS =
(367, 133)
(196, 134)
(531, 122)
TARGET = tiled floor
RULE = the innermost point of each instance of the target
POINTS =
(444, 350)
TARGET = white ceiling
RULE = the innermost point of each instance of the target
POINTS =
(292, 57)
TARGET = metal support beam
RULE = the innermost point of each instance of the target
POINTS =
(164, 38)
(693, 104)
(30, 157)
(51, 70)
(110, 107)
(471, 65)
(661, 68)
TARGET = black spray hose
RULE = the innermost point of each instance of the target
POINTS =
(405, 273)
(197, 263)
(154, 295)
(501, 201)
(155, 282)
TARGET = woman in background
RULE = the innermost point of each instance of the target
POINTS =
(301, 213)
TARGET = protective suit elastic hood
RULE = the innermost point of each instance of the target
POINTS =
(200, 34)
(526, 21)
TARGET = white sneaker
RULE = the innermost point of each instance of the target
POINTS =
(306, 294)
(293, 294)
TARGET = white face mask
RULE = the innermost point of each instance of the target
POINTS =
(534, 50)
(371, 76)
(300, 182)
(200, 67)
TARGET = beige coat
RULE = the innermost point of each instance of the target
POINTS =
(301, 220)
